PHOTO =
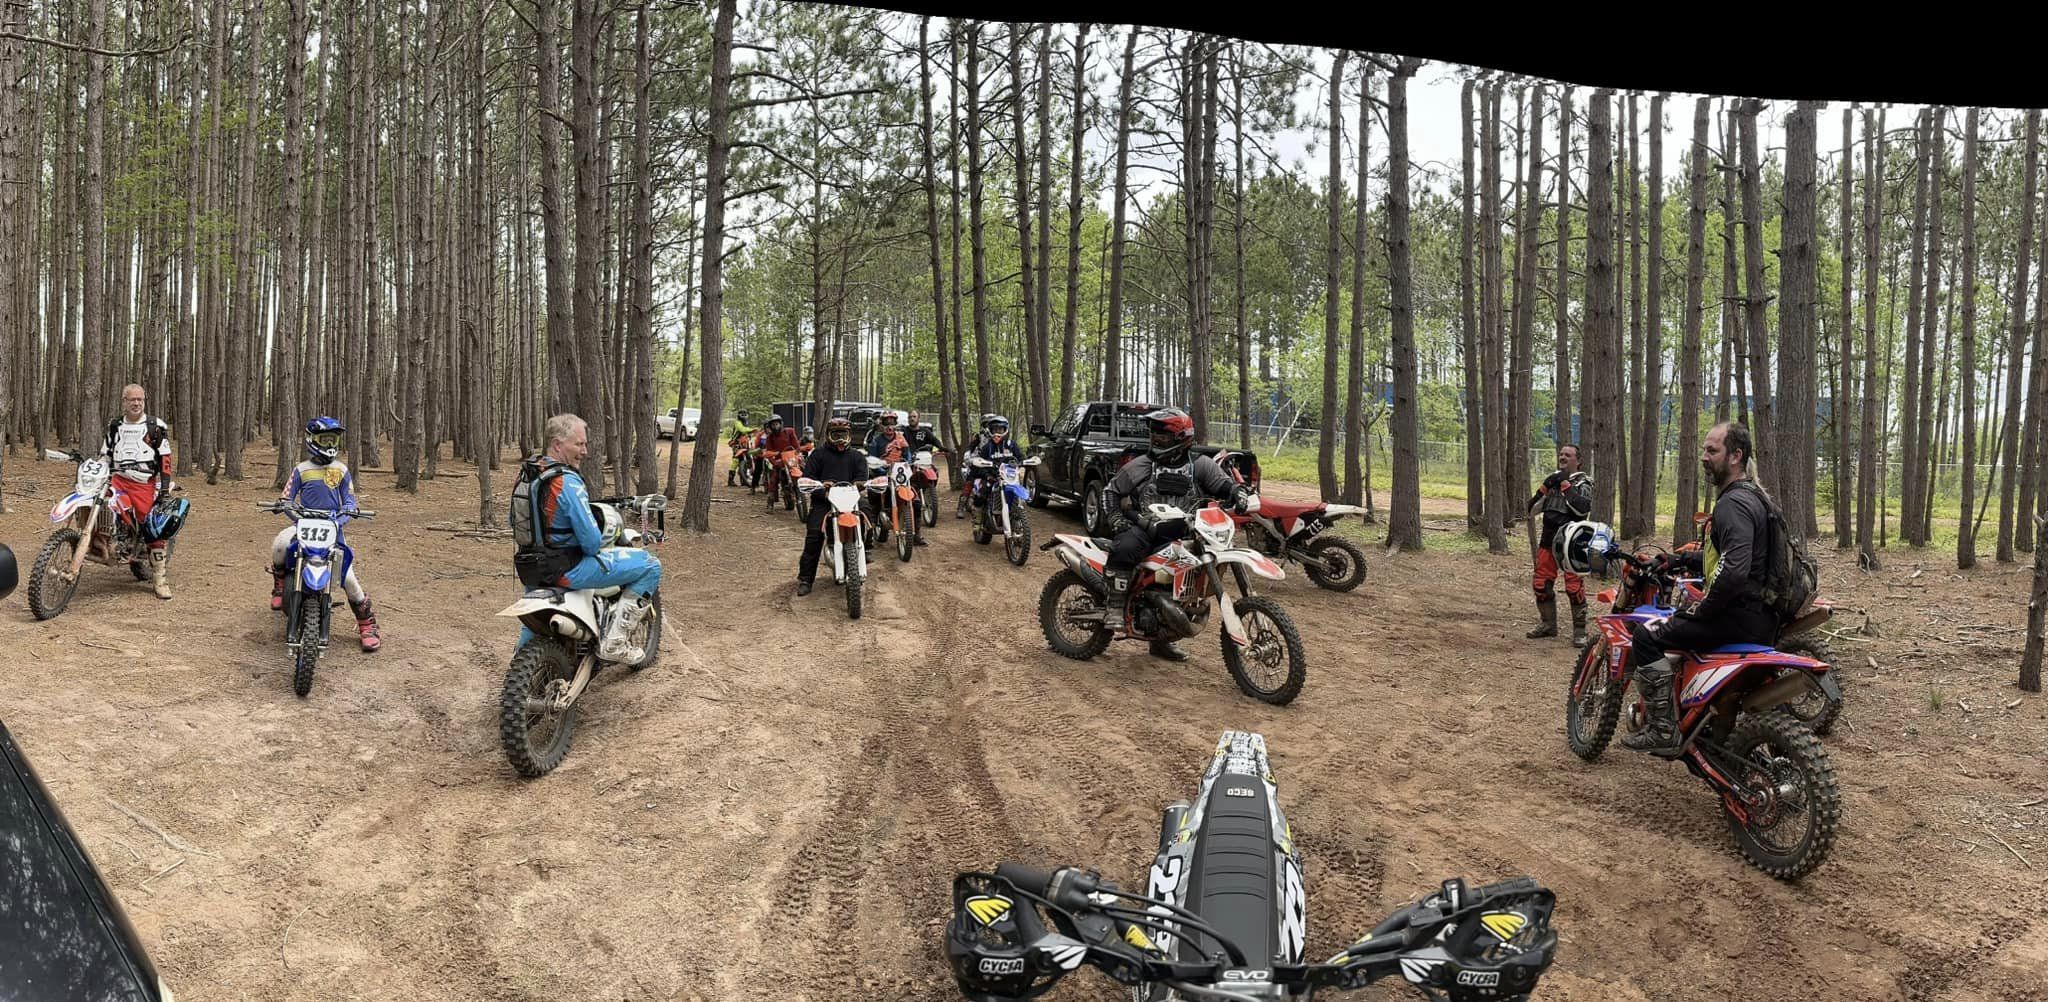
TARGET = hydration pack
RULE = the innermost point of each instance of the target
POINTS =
(540, 564)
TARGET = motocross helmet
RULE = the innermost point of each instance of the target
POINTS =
(997, 426)
(609, 524)
(166, 518)
(886, 419)
(1582, 547)
(10, 575)
(839, 431)
(809, 434)
(323, 439)
(774, 420)
(1173, 435)
(990, 959)
(740, 416)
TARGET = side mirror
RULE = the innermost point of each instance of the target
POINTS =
(1039, 430)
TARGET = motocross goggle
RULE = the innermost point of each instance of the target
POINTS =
(326, 439)
(839, 436)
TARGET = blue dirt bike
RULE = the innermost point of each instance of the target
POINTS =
(1002, 498)
(308, 605)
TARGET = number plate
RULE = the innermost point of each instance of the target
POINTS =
(317, 531)
(1312, 525)
(1009, 474)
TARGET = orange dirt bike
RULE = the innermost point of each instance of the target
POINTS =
(784, 467)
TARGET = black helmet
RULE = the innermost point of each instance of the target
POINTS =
(323, 439)
(990, 959)
(740, 416)
(1173, 435)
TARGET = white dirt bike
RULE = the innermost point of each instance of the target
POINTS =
(89, 530)
(846, 534)
(537, 707)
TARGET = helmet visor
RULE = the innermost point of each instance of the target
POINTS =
(328, 440)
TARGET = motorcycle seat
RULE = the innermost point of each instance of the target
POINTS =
(1283, 509)
(552, 594)
(1740, 649)
(607, 592)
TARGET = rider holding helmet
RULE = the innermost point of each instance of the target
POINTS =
(324, 482)
(1566, 496)
(137, 448)
(1169, 473)
(838, 462)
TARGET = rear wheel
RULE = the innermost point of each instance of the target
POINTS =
(536, 739)
(1343, 563)
(1017, 548)
(1793, 803)
(1592, 704)
(1064, 608)
(928, 506)
(1271, 668)
(51, 583)
(1814, 708)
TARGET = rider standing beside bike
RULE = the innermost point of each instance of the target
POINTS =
(736, 435)
(137, 449)
(1169, 473)
(1567, 496)
(781, 439)
(572, 548)
(837, 463)
(1733, 610)
(324, 482)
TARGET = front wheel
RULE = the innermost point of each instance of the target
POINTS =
(856, 582)
(1342, 563)
(1814, 708)
(906, 520)
(1017, 546)
(1071, 616)
(1271, 668)
(1793, 806)
(1592, 705)
(537, 739)
(648, 636)
(308, 655)
(49, 587)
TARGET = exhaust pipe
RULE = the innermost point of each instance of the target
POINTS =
(1171, 617)
(1784, 689)
(1089, 576)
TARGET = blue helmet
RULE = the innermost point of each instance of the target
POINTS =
(323, 439)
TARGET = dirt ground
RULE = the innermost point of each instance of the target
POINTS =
(777, 808)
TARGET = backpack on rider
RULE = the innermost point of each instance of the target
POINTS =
(1791, 574)
(539, 564)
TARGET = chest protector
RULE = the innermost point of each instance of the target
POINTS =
(539, 562)
(1174, 485)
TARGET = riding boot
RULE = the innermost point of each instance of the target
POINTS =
(1546, 608)
(1579, 622)
(618, 646)
(159, 561)
(1115, 598)
(1660, 731)
(1168, 650)
(277, 579)
(366, 625)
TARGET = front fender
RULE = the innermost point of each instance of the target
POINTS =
(315, 577)
(70, 504)
(1258, 562)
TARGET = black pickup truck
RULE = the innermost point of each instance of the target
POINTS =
(1089, 442)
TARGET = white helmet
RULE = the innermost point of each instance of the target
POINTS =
(1581, 547)
(609, 524)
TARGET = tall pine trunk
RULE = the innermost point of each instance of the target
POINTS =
(1356, 442)
(1404, 515)
(1756, 301)
(711, 386)
(2016, 346)
(1112, 340)
(1076, 169)
(1966, 353)
(1326, 448)
(1689, 351)
(1474, 430)
(1869, 412)
(1798, 285)
(1600, 444)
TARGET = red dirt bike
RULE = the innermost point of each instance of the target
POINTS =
(784, 469)
(1298, 533)
(1776, 784)
(1170, 597)
(745, 453)
(925, 478)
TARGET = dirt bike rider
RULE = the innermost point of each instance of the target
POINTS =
(780, 439)
(885, 437)
(838, 462)
(1168, 473)
(808, 440)
(922, 438)
(137, 448)
(1566, 497)
(574, 543)
(736, 436)
(973, 449)
(1733, 610)
(998, 448)
(324, 482)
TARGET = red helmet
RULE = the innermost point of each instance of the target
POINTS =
(838, 431)
(1173, 435)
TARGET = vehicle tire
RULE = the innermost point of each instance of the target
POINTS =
(1781, 752)
(1275, 650)
(1344, 563)
(1037, 498)
(1592, 702)
(928, 506)
(1066, 639)
(1091, 508)
(535, 742)
(905, 536)
(46, 596)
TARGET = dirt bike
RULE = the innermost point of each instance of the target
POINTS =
(785, 467)
(1776, 784)
(87, 514)
(1801, 636)
(309, 604)
(1169, 598)
(744, 456)
(846, 535)
(925, 477)
(903, 508)
(537, 706)
(1002, 498)
(1225, 915)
